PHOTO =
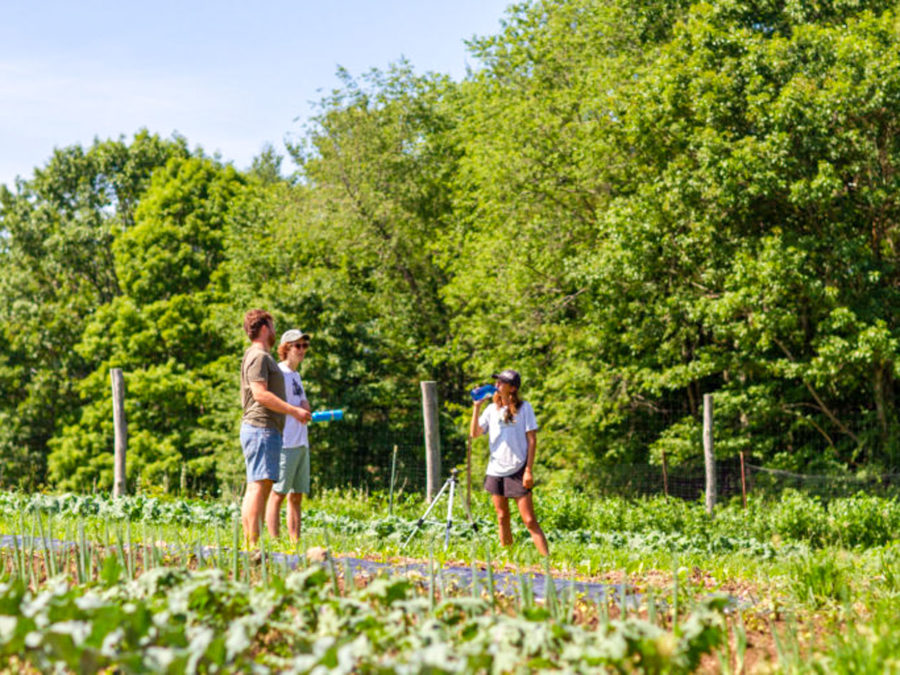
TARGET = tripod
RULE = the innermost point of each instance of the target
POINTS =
(449, 483)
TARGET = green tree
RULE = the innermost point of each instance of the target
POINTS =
(542, 163)
(162, 332)
(768, 269)
(57, 267)
(658, 204)
(370, 250)
(633, 203)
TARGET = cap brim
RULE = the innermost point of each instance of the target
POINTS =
(303, 336)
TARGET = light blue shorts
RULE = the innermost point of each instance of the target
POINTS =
(293, 471)
(262, 450)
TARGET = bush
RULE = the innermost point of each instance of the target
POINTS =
(799, 518)
(665, 515)
(570, 511)
(863, 520)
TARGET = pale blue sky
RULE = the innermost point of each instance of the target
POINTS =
(229, 76)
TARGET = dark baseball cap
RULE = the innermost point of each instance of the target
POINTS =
(509, 376)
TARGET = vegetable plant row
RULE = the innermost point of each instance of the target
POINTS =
(141, 584)
(175, 619)
(857, 521)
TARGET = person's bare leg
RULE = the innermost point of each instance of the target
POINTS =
(501, 506)
(295, 500)
(526, 510)
(273, 514)
(253, 509)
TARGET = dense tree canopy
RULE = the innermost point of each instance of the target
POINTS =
(633, 203)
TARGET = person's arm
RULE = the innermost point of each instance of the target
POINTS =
(475, 429)
(527, 477)
(304, 402)
(264, 397)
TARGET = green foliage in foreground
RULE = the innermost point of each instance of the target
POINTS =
(122, 596)
(171, 620)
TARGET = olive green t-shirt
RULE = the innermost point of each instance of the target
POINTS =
(259, 366)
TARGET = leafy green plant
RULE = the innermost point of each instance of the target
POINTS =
(571, 511)
(820, 579)
(799, 517)
(863, 520)
(867, 644)
(174, 618)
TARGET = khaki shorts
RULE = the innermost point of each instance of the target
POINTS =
(293, 471)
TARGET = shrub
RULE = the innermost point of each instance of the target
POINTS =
(570, 511)
(863, 520)
(799, 517)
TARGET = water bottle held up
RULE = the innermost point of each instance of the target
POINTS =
(483, 391)
(327, 415)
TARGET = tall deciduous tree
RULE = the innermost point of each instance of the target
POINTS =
(161, 331)
(760, 241)
(633, 203)
(57, 267)
(378, 167)
(662, 204)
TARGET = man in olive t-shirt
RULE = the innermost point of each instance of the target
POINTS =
(259, 366)
(262, 399)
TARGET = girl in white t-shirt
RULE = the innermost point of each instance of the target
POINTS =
(512, 431)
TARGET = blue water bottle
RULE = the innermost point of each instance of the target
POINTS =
(327, 415)
(483, 391)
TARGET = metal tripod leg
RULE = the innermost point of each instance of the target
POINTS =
(452, 481)
(467, 502)
(428, 510)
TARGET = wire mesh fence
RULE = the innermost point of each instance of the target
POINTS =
(688, 482)
(377, 459)
(397, 458)
(764, 480)
(665, 438)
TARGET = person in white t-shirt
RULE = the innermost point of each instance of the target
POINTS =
(293, 467)
(512, 431)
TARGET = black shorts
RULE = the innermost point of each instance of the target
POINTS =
(507, 486)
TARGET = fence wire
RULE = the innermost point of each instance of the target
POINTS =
(374, 459)
(375, 465)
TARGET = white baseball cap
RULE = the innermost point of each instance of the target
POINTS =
(293, 335)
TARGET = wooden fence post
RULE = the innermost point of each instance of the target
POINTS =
(709, 456)
(665, 470)
(393, 476)
(432, 439)
(743, 482)
(121, 432)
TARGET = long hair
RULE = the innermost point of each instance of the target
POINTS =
(283, 350)
(514, 404)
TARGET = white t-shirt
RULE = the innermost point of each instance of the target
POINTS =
(509, 444)
(294, 434)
